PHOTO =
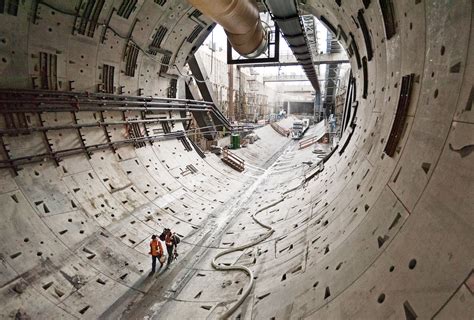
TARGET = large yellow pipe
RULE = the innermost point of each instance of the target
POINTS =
(241, 22)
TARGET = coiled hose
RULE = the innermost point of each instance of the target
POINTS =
(244, 269)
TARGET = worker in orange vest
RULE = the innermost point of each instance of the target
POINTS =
(170, 244)
(156, 251)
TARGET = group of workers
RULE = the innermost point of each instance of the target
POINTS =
(171, 240)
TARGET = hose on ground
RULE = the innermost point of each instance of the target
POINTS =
(244, 269)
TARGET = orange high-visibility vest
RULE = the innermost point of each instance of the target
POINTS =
(155, 248)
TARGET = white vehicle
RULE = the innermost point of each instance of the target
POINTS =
(299, 128)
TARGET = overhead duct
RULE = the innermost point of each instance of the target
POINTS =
(241, 22)
(285, 14)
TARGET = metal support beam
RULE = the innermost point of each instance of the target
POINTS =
(46, 142)
(230, 107)
(290, 64)
(200, 75)
(79, 134)
(6, 155)
(206, 119)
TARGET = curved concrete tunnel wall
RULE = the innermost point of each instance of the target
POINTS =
(383, 236)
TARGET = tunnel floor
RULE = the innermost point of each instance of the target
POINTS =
(191, 286)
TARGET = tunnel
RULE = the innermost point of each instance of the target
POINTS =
(96, 158)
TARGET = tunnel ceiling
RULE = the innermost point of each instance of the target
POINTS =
(141, 41)
(383, 229)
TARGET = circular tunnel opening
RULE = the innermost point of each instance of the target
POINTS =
(97, 155)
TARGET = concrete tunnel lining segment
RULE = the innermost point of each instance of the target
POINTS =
(371, 236)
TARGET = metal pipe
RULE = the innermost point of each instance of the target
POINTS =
(48, 101)
(106, 96)
(12, 100)
(92, 109)
(85, 125)
(241, 22)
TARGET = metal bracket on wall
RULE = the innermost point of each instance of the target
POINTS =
(47, 144)
(15, 103)
(81, 137)
(273, 50)
(6, 155)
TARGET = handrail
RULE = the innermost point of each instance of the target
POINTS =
(235, 156)
(228, 154)
(307, 142)
(279, 129)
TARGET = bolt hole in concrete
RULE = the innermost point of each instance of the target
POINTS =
(412, 264)
(15, 255)
(327, 293)
(381, 298)
(409, 312)
(58, 292)
(46, 286)
(392, 268)
(14, 198)
(426, 167)
(83, 310)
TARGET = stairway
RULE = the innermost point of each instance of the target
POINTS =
(233, 161)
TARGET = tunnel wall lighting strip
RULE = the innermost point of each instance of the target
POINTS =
(400, 115)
